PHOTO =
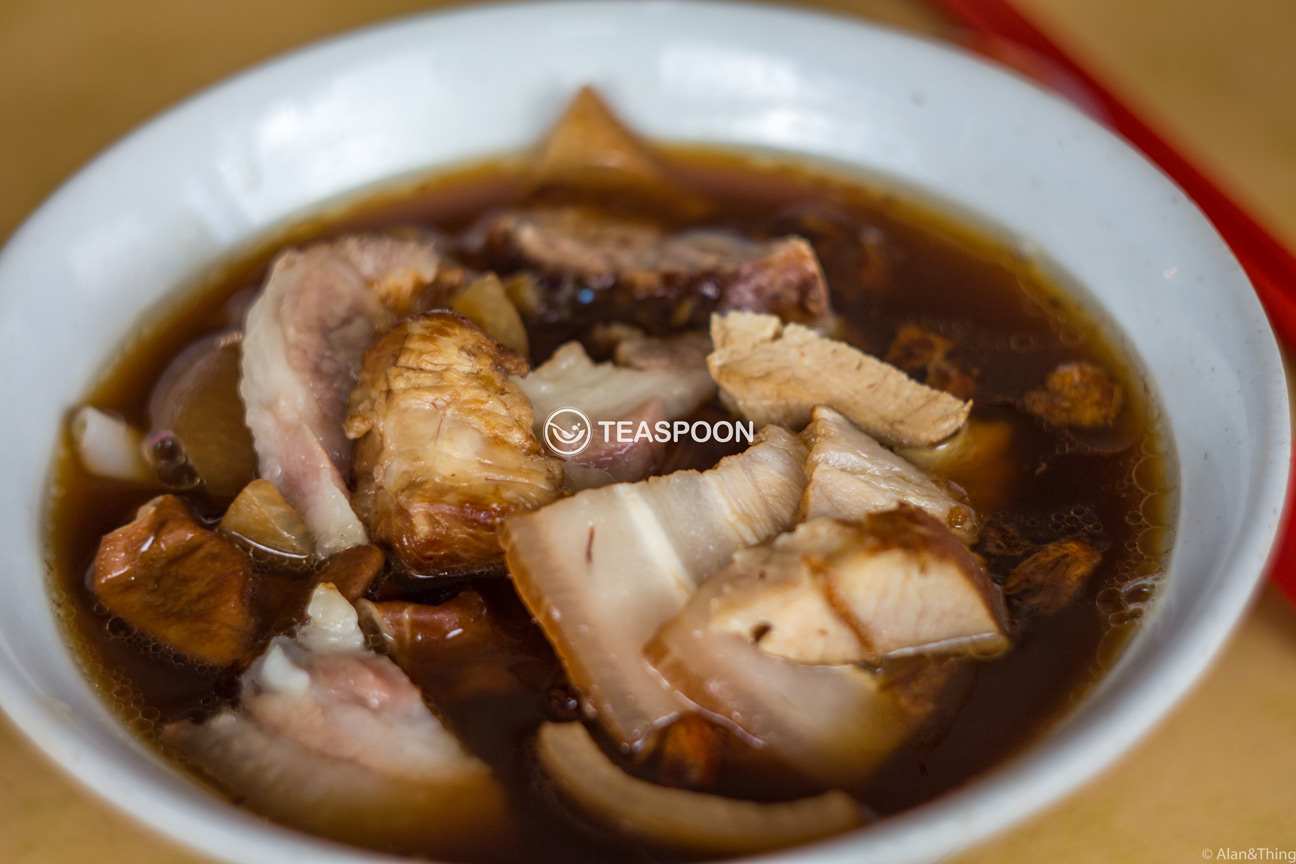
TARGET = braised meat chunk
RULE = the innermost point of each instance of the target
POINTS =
(303, 342)
(849, 475)
(771, 373)
(330, 737)
(669, 383)
(444, 444)
(182, 585)
(606, 266)
(600, 571)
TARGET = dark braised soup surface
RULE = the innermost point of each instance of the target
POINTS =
(941, 299)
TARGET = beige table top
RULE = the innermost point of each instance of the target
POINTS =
(1218, 76)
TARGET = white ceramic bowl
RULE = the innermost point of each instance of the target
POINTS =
(178, 195)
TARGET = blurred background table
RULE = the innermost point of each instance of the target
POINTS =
(1217, 77)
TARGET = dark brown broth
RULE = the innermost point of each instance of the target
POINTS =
(1011, 323)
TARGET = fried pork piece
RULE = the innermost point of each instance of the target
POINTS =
(445, 446)
(600, 571)
(893, 584)
(1049, 579)
(1077, 394)
(305, 335)
(771, 373)
(849, 475)
(182, 585)
(668, 385)
(610, 267)
(680, 819)
(331, 738)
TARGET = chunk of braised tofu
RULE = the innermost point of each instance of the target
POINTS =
(445, 446)
(772, 373)
(609, 267)
(849, 475)
(893, 584)
(1077, 394)
(1051, 577)
(182, 585)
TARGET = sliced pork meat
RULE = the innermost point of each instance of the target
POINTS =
(600, 571)
(331, 738)
(184, 586)
(611, 393)
(833, 723)
(603, 267)
(771, 373)
(894, 584)
(679, 819)
(305, 335)
(849, 475)
(445, 447)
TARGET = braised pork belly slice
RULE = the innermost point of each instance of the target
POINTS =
(600, 571)
(660, 390)
(184, 586)
(680, 819)
(771, 373)
(893, 584)
(445, 447)
(329, 737)
(305, 335)
(849, 475)
(834, 724)
(603, 266)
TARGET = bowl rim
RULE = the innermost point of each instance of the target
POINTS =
(984, 806)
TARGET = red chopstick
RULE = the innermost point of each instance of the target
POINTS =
(1005, 34)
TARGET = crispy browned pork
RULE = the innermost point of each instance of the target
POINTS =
(600, 571)
(444, 444)
(621, 269)
(332, 738)
(771, 373)
(303, 341)
(182, 585)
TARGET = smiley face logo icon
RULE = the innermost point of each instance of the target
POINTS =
(568, 431)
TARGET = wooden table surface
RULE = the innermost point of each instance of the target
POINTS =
(1218, 77)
